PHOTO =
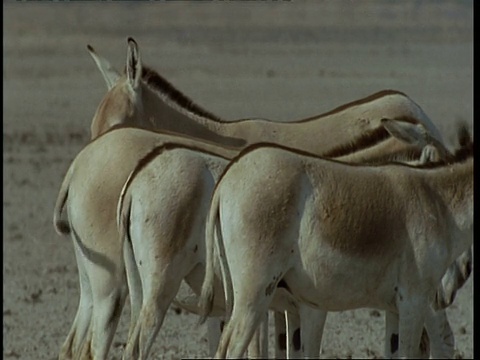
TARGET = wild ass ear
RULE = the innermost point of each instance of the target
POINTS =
(414, 134)
(110, 74)
(417, 135)
(134, 65)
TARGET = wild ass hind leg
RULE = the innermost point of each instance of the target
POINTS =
(253, 295)
(161, 280)
(258, 347)
(81, 323)
(109, 291)
(237, 334)
(106, 314)
(149, 322)
(85, 351)
(216, 321)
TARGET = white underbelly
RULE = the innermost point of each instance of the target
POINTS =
(333, 281)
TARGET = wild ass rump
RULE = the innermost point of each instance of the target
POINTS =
(162, 212)
(335, 236)
(142, 98)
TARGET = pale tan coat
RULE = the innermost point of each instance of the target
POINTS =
(334, 236)
(161, 213)
(142, 98)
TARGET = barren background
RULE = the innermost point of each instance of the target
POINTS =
(280, 60)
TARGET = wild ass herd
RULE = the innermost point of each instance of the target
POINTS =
(362, 206)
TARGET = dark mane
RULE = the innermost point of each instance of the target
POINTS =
(365, 140)
(164, 132)
(350, 104)
(369, 98)
(463, 153)
(400, 156)
(159, 83)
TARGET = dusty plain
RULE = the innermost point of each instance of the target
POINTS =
(280, 60)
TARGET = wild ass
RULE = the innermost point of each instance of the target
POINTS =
(335, 236)
(142, 98)
(161, 217)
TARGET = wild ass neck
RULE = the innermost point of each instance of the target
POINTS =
(454, 184)
(182, 117)
(336, 133)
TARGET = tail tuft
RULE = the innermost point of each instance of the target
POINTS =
(206, 304)
(62, 227)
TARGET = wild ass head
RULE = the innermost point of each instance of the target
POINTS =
(142, 98)
(121, 104)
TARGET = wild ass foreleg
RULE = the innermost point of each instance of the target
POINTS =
(287, 335)
(442, 340)
(312, 325)
(391, 338)
(280, 335)
(411, 311)
(305, 336)
(391, 335)
(294, 342)
(214, 331)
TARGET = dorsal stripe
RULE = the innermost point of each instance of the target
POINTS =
(160, 84)
(366, 140)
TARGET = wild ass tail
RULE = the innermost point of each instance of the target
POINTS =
(123, 208)
(62, 227)
(212, 233)
(135, 290)
(208, 286)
